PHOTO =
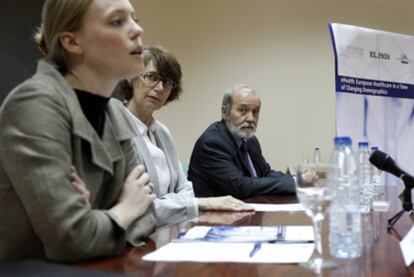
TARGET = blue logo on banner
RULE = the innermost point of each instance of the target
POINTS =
(354, 85)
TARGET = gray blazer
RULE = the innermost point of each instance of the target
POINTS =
(175, 203)
(43, 133)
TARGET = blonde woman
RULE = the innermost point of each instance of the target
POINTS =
(70, 187)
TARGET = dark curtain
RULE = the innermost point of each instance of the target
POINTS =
(18, 53)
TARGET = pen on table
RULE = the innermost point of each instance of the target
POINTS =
(256, 248)
(181, 233)
(281, 231)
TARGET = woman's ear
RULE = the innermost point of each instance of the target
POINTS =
(70, 43)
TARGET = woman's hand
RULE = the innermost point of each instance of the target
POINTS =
(136, 196)
(310, 176)
(224, 203)
(80, 186)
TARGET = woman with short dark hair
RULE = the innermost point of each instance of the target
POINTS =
(158, 85)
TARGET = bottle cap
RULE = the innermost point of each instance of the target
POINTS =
(363, 144)
(343, 141)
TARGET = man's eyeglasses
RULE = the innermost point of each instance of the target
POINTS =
(153, 78)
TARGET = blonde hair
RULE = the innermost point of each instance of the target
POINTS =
(59, 16)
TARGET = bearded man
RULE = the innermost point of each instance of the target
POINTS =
(227, 158)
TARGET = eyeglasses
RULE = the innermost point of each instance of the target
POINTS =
(153, 78)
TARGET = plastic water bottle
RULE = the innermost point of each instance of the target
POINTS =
(376, 180)
(364, 169)
(345, 240)
(316, 156)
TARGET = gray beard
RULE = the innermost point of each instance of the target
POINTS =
(237, 132)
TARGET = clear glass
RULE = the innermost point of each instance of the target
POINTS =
(378, 184)
(316, 156)
(315, 193)
(365, 177)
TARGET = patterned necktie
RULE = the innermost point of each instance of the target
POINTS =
(245, 156)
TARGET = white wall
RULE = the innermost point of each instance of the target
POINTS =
(280, 48)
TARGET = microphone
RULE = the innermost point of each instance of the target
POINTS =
(384, 162)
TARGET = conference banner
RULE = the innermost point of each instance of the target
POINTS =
(374, 73)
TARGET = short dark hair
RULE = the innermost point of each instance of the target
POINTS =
(167, 66)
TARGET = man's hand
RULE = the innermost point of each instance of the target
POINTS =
(224, 203)
(310, 176)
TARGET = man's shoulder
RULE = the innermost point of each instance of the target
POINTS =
(214, 132)
(213, 128)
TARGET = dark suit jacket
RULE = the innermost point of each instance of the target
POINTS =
(217, 168)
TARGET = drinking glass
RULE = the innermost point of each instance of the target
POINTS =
(314, 190)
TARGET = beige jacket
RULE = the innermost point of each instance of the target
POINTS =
(43, 132)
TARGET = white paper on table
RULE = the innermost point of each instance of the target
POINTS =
(407, 247)
(292, 234)
(231, 252)
(299, 233)
(277, 207)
